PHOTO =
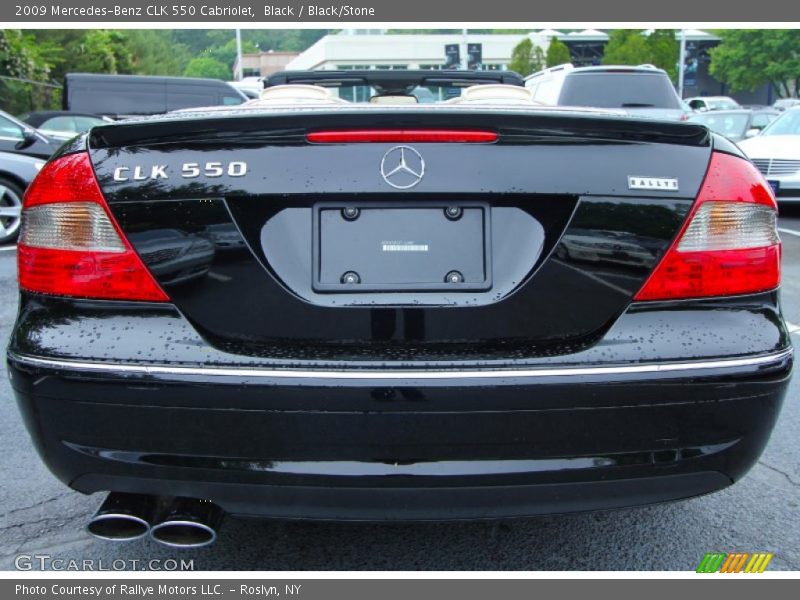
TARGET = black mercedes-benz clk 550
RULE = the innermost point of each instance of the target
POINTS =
(315, 307)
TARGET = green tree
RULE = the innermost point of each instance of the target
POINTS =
(19, 56)
(626, 47)
(207, 67)
(286, 40)
(58, 47)
(526, 58)
(226, 53)
(197, 41)
(632, 47)
(557, 53)
(25, 85)
(664, 51)
(154, 52)
(749, 58)
(101, 51)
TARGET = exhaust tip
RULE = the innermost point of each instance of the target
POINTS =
(183, 534)
(118, 527)
(123, 517)
(188, 523)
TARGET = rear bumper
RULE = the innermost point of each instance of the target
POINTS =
(403, 445)
(788, 196)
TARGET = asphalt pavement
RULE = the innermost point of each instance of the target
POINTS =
(40, 516)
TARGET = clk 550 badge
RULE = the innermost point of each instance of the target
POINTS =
(663, 184)
(188, 170)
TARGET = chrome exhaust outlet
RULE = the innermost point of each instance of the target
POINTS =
(123, 517)
(188, 523)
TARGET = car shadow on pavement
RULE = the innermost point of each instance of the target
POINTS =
(672, 536)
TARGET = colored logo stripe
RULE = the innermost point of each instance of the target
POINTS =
(711, 562)
(758, 563)
(735, 562)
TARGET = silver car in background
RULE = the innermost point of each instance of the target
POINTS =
(776, 153)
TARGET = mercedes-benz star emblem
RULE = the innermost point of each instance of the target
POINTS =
(402, 167)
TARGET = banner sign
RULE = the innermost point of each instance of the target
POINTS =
(386, 589)
(417, 11)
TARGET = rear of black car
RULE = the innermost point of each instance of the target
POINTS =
(642, 91)
(400, 314)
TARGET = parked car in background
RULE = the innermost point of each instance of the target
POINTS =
(249, 86)
(21, 138)
(16, 173)
(706, 103)
(784, 103)
(118, 96)
(736, 125)
(250, 93)
(643, 91)
(776, 153)
(62, 124)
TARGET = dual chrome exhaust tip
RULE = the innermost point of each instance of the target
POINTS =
(173, 522)
(188, 523)
(123, 517)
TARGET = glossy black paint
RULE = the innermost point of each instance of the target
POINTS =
(540, 300)
(154, 334)
(259, 126)
(268, 311)
(410, 448)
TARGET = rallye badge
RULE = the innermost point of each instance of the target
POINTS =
(663, 184)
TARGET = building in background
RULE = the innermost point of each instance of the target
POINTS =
(264, 64)
(375, 49)
(354, 50)
(586, 47)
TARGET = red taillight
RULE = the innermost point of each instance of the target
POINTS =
(346, 136)
(729, 245)
(70, 244)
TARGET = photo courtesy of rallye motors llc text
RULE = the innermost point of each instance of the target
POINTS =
(138, 590)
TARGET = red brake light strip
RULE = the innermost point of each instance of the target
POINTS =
(402, 135)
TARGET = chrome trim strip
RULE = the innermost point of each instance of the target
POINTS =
(693, 366)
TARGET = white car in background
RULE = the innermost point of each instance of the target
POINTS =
(784, 103)
(640, 91)
(706, 103)
(249, 86)
(776, 153)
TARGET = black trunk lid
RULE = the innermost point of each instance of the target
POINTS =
(550, 241)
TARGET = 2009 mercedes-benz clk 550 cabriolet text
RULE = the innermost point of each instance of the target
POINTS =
(318, 308)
